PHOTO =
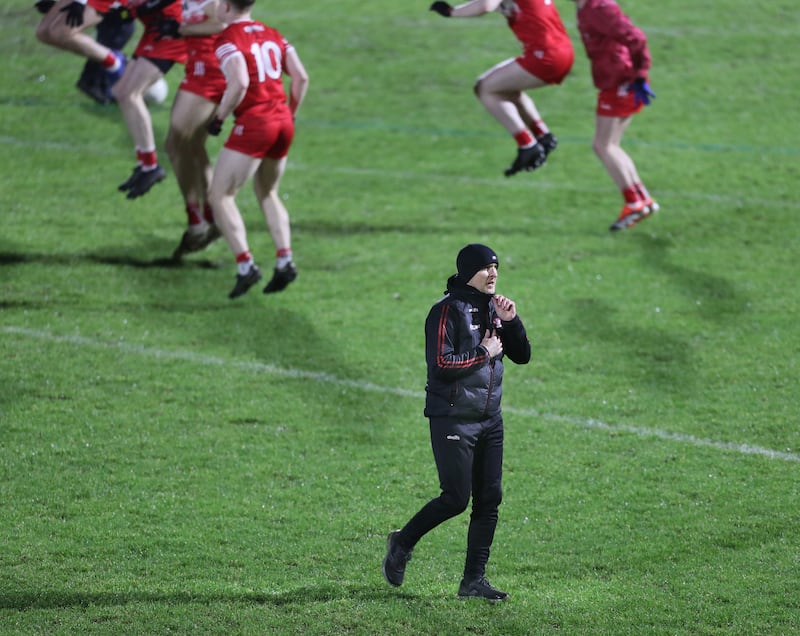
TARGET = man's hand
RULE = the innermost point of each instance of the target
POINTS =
(505, 308)
(167, 28)
(74, 11)
(641, 91)
(442, 8)
(492, 343)
(214, 126)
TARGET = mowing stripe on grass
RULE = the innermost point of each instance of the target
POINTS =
(489, 181)
(327, 378)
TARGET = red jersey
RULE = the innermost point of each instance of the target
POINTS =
(149, 45)
(264, 51)
(203, 75)
(199, 48)
(536, 24)
(616, 49)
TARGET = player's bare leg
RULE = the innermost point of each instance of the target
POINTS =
(233, 169)
(186, 147)
(533, 120)
(54, 31)
(265, 184)
(500, 90)
(607, 145)
(129, 92)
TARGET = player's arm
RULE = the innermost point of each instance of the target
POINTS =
(209, 26)
(299, 79)
(206, 25)
(471, 9)
(234, 67)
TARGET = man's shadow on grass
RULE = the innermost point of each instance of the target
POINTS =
(62, 599)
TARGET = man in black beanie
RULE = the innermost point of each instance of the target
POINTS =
(467, 334)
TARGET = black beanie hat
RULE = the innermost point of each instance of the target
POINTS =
(472, 258)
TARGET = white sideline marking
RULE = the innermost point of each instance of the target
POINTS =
(327, 378)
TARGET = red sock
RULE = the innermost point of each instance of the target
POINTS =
(244, 257)
(284, 251)
(539, 128)
(147, 159)
(524, 139)
(110, 61)
(644, 195)
(630, 194)
(193, 213)
(208, 213)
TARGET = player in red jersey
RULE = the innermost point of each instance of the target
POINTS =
(254, 57)
(198, 95)
(153, 57)
(113, 32)
(620, 61)
(546, 59)
(63, 26)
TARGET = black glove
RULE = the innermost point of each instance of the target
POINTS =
(74, 11)
(166, 28)
(641, 91)
(214, 126)
(43, 6)
(442, 8)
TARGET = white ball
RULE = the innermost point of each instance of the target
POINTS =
(158, 92)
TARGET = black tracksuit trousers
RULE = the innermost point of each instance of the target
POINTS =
(469, 458)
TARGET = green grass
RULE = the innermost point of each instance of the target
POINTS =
(174, 462)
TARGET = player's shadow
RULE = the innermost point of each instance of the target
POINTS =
(655, 357)
(712, 296)
(8, 258)
(23, 600)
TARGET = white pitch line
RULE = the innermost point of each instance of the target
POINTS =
(328, 378)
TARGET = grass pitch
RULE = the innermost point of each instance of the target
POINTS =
(174, 462)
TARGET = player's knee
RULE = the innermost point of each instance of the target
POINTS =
(44, 33)
(170, 144)
(599, 148)
(120, 93)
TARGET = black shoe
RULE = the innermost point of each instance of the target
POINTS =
(527, 159)
(394, 563)
(281, 278)
(481, 588)
(126, 185)
(98, 92)
(196, 241)
(548, 141)
(145, 180)
(245, 282)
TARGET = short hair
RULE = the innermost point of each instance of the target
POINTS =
(242, 5)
